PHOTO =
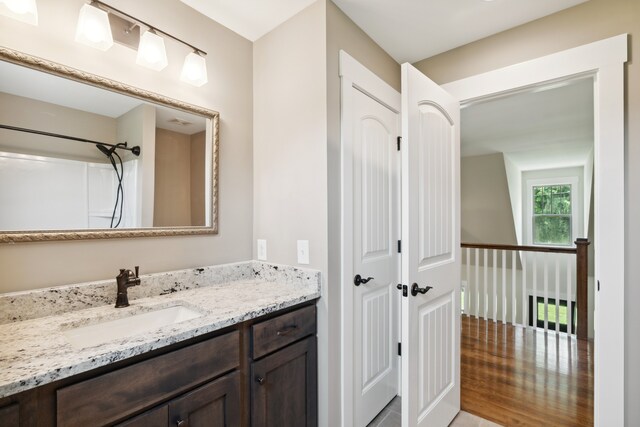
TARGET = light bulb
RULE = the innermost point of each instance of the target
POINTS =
(20, 10)
(93, 28)
(194, 70)
(151, 51)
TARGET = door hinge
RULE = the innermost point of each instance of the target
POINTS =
(399, 142)
(399, 349)
(399, 246)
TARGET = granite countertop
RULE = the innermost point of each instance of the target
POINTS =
(34, 352)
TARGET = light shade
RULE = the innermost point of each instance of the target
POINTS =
(20, 10)
(194, 70)
(93, 28)
(151, 52)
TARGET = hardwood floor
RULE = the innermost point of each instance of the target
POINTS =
(525, 377)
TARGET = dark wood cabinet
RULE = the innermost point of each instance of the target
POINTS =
(284, 371)
(284, 387)
(216, 404)
(206, 381)
(10, 415)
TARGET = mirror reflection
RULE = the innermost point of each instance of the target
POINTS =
(74, 156)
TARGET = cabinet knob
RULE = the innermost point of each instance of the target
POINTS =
(260, 380)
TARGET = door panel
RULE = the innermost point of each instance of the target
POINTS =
(375, 233)
(431, 252)
(434, 183)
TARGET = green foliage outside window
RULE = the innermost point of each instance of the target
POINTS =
(552, 215)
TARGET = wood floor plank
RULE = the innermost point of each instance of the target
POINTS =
(519, 376)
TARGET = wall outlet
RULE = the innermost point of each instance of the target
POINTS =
(262, 250)
(303, 252)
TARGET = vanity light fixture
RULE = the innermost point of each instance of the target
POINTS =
(21, 10)
(151, 49)
(93, 28)
(194, 70)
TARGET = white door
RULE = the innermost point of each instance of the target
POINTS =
(431, 252)
(375, 259)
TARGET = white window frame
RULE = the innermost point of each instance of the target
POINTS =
(577, 213)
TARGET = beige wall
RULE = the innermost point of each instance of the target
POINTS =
(229, 91)
(342, 34)
(586, 23)
(172, 197)
(289, 150)
(486, 207)
(198, 150)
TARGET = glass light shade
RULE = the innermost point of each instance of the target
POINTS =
(20, 10)
(194, 70)
(151, 52)
(93, 28)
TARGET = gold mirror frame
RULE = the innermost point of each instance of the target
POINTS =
(54, 68)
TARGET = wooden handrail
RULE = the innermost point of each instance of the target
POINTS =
(582, 271)
(520, 248)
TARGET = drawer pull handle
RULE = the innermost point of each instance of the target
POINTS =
(287, 330)
(260, 380)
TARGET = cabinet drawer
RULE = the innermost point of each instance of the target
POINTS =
(115, 395)
(280, 331)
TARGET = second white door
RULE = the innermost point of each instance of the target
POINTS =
(375, 256)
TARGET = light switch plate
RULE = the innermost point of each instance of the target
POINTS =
(262, 250)
(303, 252)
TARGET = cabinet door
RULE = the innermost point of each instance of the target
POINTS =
(10, 415)
(284, 387)
(214, 404)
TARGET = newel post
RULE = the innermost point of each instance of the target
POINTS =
(582, 295)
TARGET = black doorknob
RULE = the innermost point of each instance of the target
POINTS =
(358, 280)
(415, 289)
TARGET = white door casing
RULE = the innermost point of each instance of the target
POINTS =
(370, 229)
(431, 252)
(604, 60)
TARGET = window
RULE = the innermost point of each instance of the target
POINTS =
(551, 314)
(552, 210)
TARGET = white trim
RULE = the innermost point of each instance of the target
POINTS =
(353, 75)
(605, 60)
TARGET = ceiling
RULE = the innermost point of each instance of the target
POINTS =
(543, 126)
(408, 30)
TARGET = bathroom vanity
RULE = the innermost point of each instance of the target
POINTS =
(249, 359)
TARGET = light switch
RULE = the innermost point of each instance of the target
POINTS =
(262, 250)
(303, 252)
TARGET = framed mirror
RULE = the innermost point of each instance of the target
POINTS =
(85, 157)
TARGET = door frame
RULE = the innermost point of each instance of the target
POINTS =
(604, 61)
(353, 75)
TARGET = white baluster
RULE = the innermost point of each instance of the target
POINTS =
(569, 295)
(467, 291)
(545, 298)
(477, 283)
(514, 264)
(558, 292)
(504, 286)
(494, 286)
(485, 284)
(525, 296)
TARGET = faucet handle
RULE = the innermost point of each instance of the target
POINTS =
(137, 267)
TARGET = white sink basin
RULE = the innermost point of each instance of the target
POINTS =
(112, 330)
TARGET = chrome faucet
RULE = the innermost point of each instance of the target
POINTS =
(125, 279)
